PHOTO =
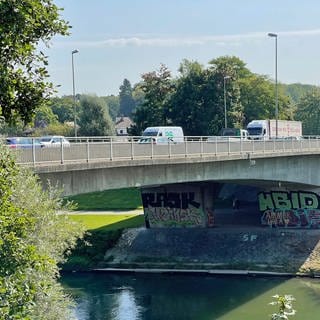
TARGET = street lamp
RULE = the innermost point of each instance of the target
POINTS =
(275, 36)
(225, 100)
(74, 95)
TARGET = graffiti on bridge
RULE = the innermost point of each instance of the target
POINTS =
(301, 218)
(171, 209)
(297, 209)
(173, 217)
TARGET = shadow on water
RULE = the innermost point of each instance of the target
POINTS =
(169, 296)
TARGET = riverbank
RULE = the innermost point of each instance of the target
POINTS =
(245, 250)
(242, 249)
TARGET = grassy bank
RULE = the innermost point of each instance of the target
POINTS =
(119, 199)
(103, 229)
(103, 232)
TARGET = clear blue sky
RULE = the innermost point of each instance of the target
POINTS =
(120, 39)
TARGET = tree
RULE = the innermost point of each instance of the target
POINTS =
(63, 108)
(127, 103)
(198, 101)
(157, 86)
(34, 238)
(24, 25)
(258, 99)
(44, 116)
(94, 118)
(189, 105)
(112, 102)
(308, 111)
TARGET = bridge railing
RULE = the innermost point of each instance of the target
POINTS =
(93, 149)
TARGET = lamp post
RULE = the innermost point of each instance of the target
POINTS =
(74, 95)
(225, 100)
(275, 36)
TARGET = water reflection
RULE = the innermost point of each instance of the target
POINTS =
(158, 297)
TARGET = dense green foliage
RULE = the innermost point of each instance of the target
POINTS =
(157, 87)
(24, 24)
(196, 99)
(113, 106)
(34, 238)
(296, 90)
(63, 108)
(308, 111)
(94, 118)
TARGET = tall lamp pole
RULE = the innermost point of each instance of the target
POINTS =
(225, 100)
(275, 36)
(74, 95)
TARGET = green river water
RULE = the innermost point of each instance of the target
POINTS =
(105, 296)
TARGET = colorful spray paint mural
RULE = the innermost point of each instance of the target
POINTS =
(172, 209)
(299, 209)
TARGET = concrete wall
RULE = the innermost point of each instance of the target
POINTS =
(268, 172)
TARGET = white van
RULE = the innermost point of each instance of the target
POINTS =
(162, 135)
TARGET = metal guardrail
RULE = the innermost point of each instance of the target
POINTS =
(93, 149)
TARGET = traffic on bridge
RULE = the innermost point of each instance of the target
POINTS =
(116, 148)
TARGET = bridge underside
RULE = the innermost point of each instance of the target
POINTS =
(274, 191)
(216, 204)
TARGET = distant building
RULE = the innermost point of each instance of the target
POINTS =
(122, 125)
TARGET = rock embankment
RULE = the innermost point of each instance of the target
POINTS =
(237, 248)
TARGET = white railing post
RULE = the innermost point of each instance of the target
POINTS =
(132, 150)
(185, 147)
(201, 147)
(274, 145)
(61, 152)
(309, 143)
(111, 149)
(216, 146)
(88, 151)
(33, 152)
(151, 141)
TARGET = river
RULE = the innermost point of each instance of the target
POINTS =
(105, 296)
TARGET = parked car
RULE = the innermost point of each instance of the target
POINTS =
(54, 141)
(22, 143)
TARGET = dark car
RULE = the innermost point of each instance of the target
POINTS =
(22, 143)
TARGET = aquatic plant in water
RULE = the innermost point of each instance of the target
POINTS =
(284, 303)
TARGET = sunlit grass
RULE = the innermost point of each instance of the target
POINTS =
(108, 222)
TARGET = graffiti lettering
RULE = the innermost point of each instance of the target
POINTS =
(301, 218)
(169, 200)
(280, 200)
(173, 217)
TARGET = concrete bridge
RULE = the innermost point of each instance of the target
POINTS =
(197, 183)
(88, 166)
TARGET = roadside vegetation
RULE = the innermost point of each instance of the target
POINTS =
(34, 239)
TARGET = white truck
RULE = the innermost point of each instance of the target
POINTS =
(162, 135)
(267, 129)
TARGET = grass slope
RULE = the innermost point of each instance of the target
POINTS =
(104, 230)
(119, 199)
